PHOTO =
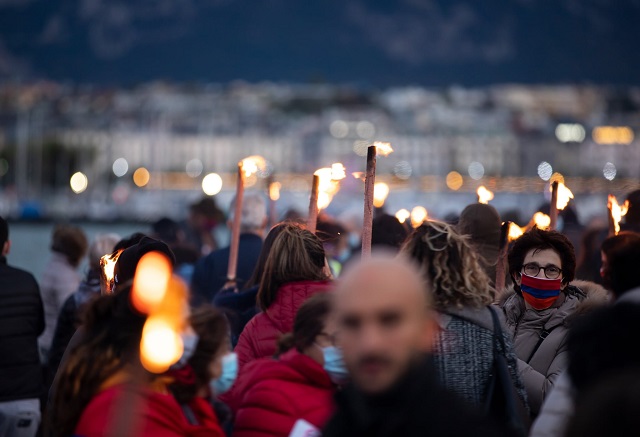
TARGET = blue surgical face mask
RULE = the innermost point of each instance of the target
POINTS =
(189, 344)
(334, 364)
(228, 376)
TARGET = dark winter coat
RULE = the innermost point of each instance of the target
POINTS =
(281, 391)
(210, 272)
(240, 307)
(539, 370)
(21, 322)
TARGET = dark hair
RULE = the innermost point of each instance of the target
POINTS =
(132, 240)
(264, 254)
(329, 231)
(538, 239)
(308, 324)
(617, 242)
(166, 230)
(71, 242)
(623, 267)
(387, 231)
(4, 232)
(633, 215)
(212, 329)
(112, 332)
(296, 255)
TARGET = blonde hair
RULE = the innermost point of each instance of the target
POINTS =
(296, 255)
(449, 263)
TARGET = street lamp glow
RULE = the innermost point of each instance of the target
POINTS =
(141, 177)
(120, 167)
(79, 182)
(212, 184)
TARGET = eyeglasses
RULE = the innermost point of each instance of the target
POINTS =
(550, 271)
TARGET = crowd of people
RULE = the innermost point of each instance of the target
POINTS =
(310, 340)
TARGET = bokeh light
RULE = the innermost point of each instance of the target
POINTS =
(194, 168)
(545, 170)
(402, 215)
(609, 171)
(402, 170)
(613, 135)
(212, 184)
(418, 215)
(78, 182)
(454, 180)
(339, 129)
(120, 167)
(141, 177)
(476, 170)
(570, 132)
(365, 129)
(150, 281)
(380, 193)
(160, 346)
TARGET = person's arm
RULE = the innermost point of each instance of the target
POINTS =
(538, 385)
(40, 309)
(65, 328)
(556, 410)
(265, 412)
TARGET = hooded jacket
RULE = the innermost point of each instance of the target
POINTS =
(280, 392)
(259, 337)
(540, 367)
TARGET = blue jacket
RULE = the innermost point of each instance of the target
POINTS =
(240, 308)
(210, 273)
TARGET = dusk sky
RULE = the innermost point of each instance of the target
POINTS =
(365, 42)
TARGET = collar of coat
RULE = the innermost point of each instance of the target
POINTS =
(581, 298)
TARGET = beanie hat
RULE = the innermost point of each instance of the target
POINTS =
(127, 263)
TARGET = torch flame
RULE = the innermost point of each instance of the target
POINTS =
(253, 164)
(380, 193)
(402, 215)
(541, 220)
(617, 211)
(515, 232)
(564, 196)
(382, 148)
(484, 195)
(329, 183)
(359, 175)
(274, 190)
(151, 281)
(108, 265)
(418, 215)
(160, 346)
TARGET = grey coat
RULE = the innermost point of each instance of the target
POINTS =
(539, 370)
(463, 354)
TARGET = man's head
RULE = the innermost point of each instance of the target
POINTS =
(609, 246)
(254, 213)
(71, 242)
(623, 265)
(5, 244)
(384, 321)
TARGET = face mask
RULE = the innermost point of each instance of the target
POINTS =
(189, 344)
(334, 364)
(228, 376)
(540, 293)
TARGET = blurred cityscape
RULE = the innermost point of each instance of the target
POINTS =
(82, 152)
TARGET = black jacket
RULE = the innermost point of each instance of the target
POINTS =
(210, 273)
(239, 307)
(416, 406)
(21, 322)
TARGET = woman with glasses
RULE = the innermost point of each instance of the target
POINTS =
(541, 307)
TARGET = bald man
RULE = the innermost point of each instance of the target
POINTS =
(386, 330)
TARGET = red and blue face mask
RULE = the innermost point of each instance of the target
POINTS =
(540, 293)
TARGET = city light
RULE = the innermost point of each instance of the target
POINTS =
(212, 184)
(380, 193)
(613, 135)
(402, 170)
(339, 129)
(570, 133)
(194, 168)
(274, 190)
(120, 167)
(545, 170)
(609, 171)
(418, 215)
(454, 180)
(476, 170)
(141, 177)
(365, 129)
(78, 182)
(402, 215)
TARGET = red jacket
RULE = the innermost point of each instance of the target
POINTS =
(259, 337)
(280, 392)
(159, 416)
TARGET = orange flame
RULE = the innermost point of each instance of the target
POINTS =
(382, 148)
(541, 220)
(484, 195)
(274, 190)
(380, 194)
(515, 232)
(402, 215)
(617, 211)
(150, 282)
(329, 183)
(253, 164)
(359, 175)
(564, 195)
(108, 265)
(418, 215)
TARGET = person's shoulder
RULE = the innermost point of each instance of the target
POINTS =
(22, 274)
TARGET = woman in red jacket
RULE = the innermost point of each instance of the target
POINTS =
(295, 390)
(295, 270)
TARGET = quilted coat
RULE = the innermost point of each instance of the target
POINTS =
(279, 392)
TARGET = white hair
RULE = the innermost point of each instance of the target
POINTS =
(102, 244)
(254, 212)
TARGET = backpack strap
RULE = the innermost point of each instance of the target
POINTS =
(542, 335)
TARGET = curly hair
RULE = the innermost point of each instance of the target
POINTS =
(449, 263)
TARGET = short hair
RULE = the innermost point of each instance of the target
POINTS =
(308, 323)
(623, 268)
(616, 242)
(254, 212)
(538, 239)
(102, 245)
(387, 231)
(4, 232)
(71, 242)
(296, 255)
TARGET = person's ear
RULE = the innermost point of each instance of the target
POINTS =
(517, 278)
(431, 328)
(6, 248)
